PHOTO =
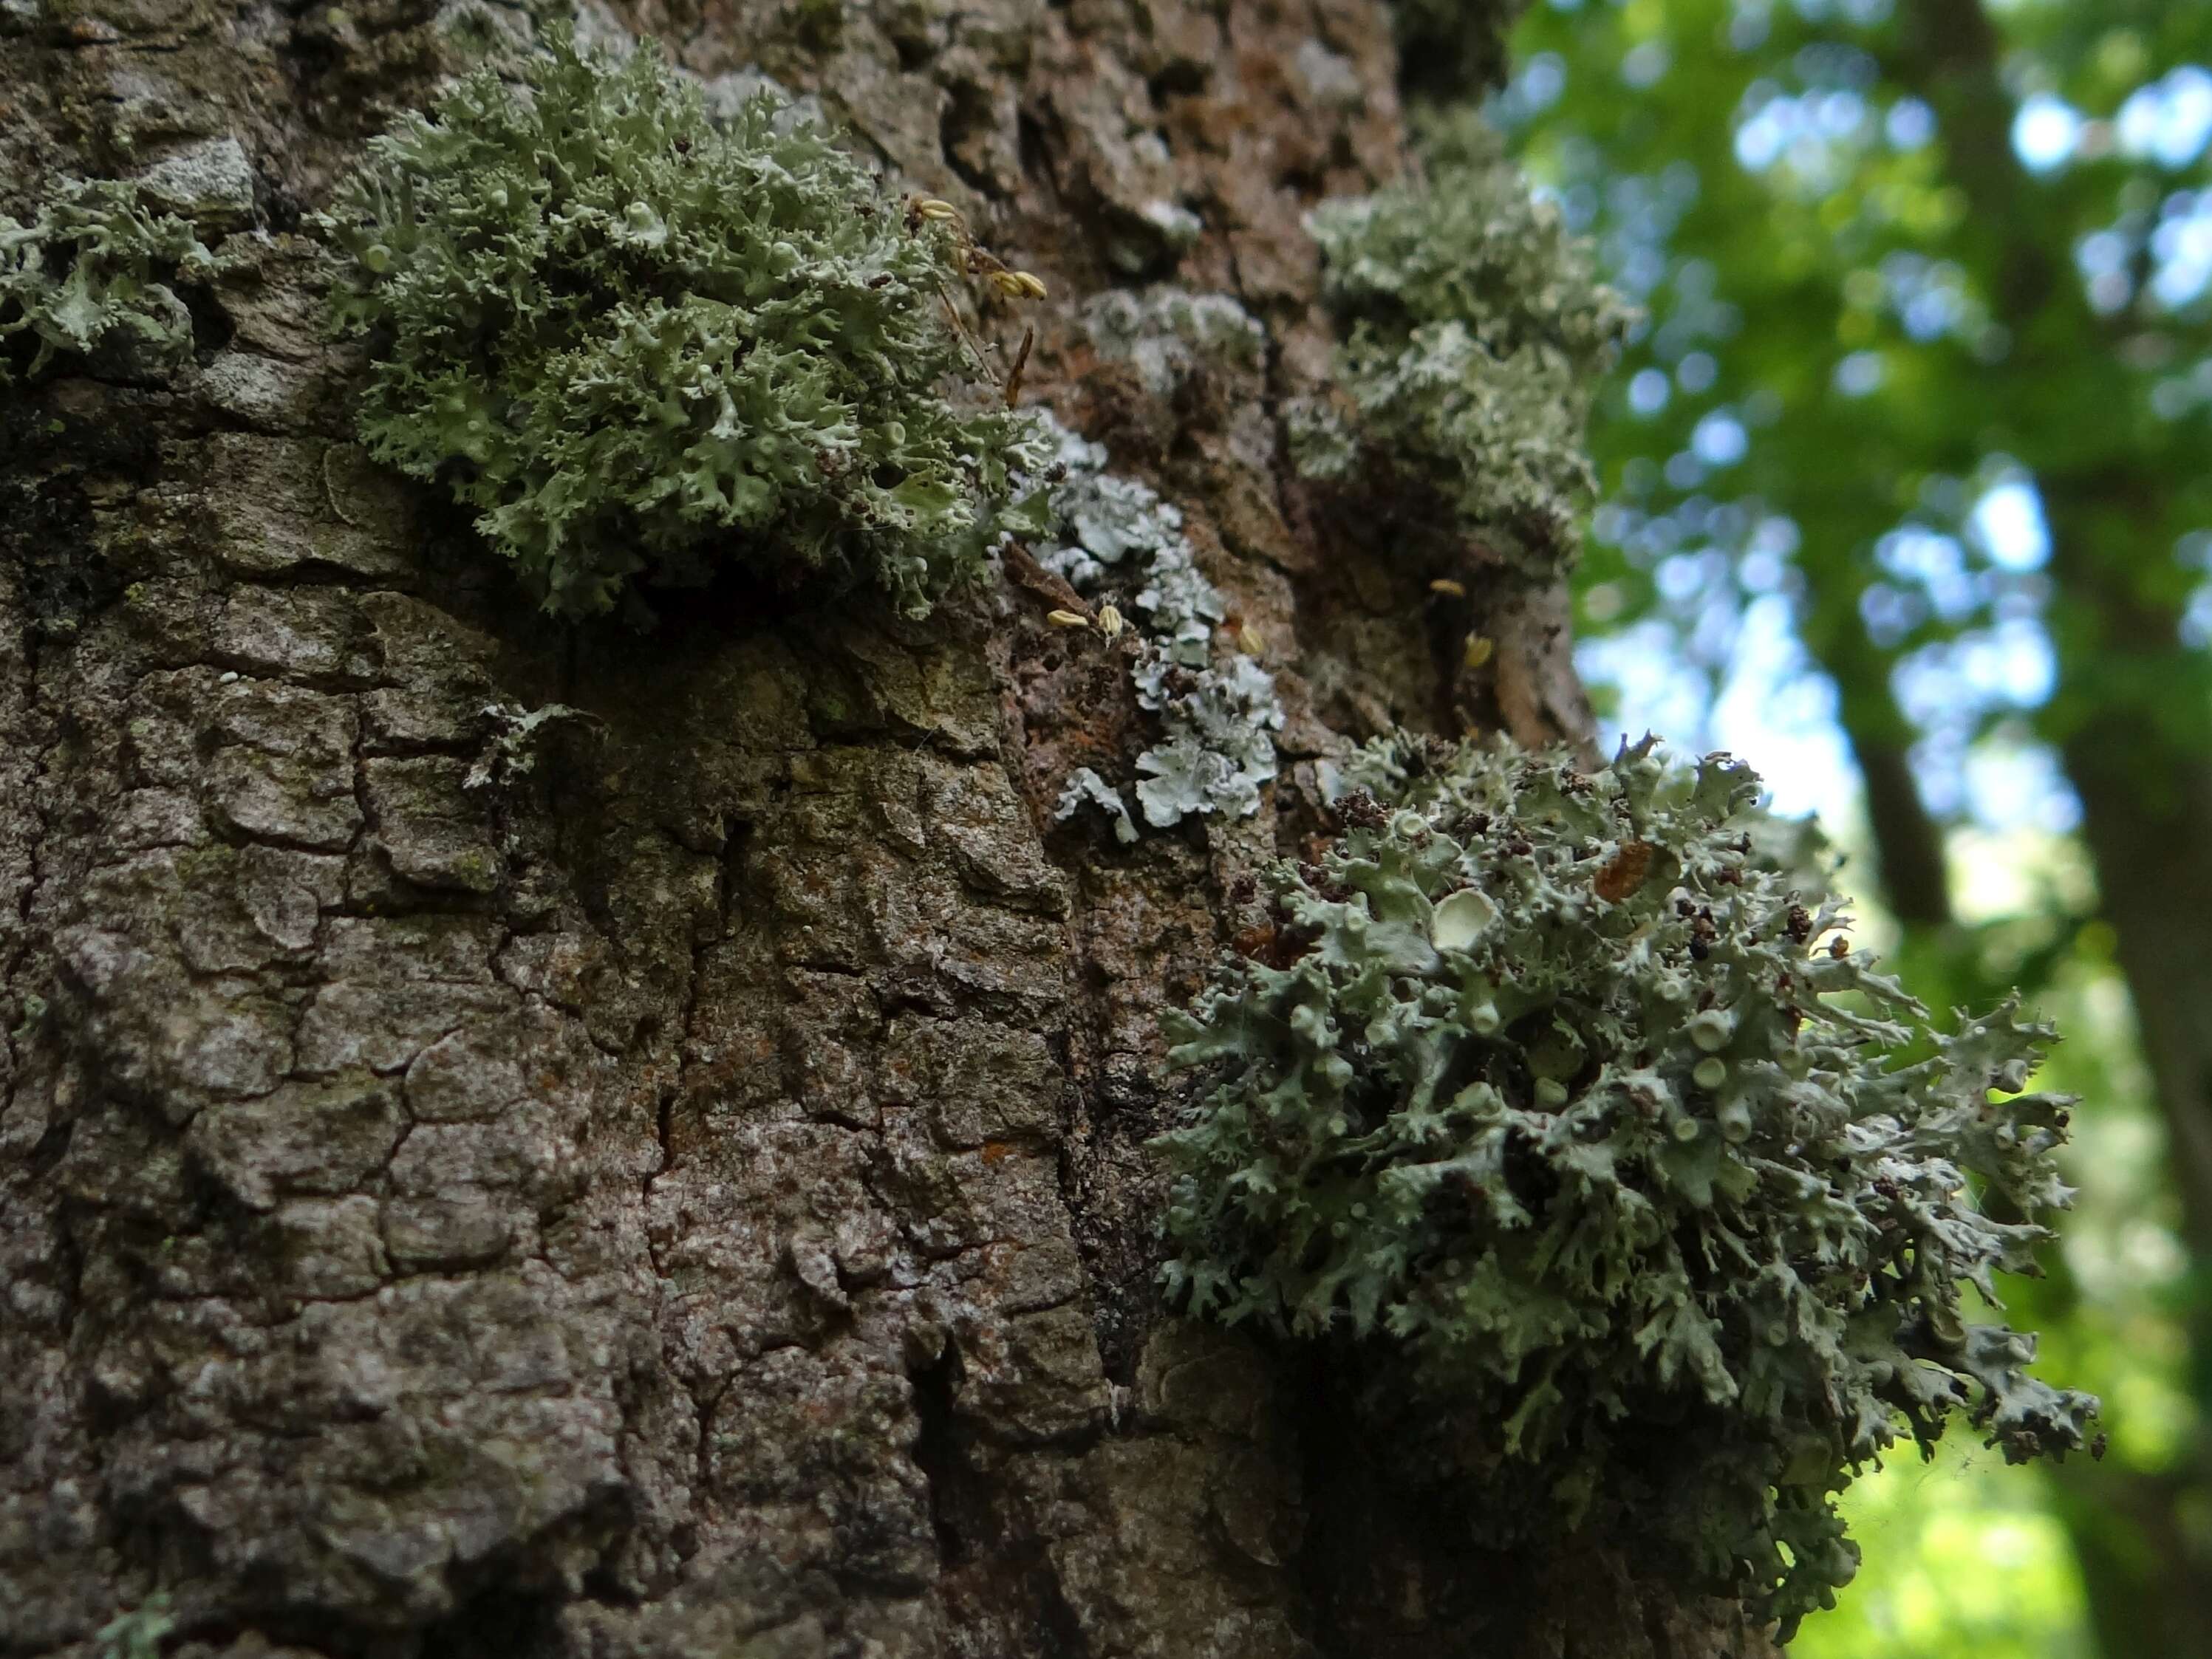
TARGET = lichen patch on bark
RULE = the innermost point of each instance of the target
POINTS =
(687, 1195)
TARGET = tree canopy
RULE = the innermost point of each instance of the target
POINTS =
(1910, 439)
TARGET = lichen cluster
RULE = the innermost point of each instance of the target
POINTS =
(1168, 333)
(93, 266)
(1472, 334)
(1552, 1099)
(1118, 542)
(641, 344)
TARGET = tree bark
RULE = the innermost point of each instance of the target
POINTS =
(1908, 843)
(687, 1196)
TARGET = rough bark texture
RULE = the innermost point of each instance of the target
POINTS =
(688, 1199)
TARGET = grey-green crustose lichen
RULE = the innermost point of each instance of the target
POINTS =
(640, 343)
(95, 265)
(1471, 331)
(1553, 1098)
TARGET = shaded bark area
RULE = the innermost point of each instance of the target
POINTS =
(684, 1194)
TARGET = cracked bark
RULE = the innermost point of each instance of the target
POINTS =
(690, 1199)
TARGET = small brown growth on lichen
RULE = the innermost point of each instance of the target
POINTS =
(1624, 871)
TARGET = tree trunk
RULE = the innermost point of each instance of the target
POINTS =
(683, 1191)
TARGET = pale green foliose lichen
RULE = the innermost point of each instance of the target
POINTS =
(1220, 747)
(1472, 333)
(95, 265)
(1120, 543)
(138, 1633)
(1166, 332)
(640, 343)
(1084, 785)
(513, 739)
(1560, 1111)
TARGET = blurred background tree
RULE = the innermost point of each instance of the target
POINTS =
(1908, 497)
